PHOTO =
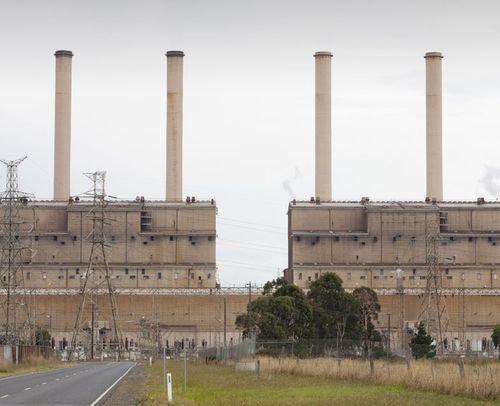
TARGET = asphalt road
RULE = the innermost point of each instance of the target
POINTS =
(79, 385)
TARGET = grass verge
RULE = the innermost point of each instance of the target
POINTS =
(34, 365)
(221, 385)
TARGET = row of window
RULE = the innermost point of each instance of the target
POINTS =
(132, 238)
(143, 273)
(411, 277)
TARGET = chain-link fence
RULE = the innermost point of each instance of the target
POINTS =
(236, 352)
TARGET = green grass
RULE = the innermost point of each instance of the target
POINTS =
(222, 385)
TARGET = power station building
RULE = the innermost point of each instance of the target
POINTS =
(387, 245)
(162, 254)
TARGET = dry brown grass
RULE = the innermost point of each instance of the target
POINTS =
(475, 378)
(34, 364)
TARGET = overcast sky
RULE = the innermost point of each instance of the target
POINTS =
(249, 103)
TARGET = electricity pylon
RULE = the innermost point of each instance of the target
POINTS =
(14, 230)
(97, 278)
(433, 308)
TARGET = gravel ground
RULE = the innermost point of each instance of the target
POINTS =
(130, 390)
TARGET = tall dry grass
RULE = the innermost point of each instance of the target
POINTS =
(476, 378)
(33, 364)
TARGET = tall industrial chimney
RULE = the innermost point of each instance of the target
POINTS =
(434, 126)
(323, 125)
(174, 125)
(62, 130)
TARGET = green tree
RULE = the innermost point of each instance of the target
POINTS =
(335, 311)
(421, 344)
(369, 308)
(496, 335)
(42, 337)
(283, 312)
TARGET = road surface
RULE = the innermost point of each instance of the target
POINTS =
(84, 384)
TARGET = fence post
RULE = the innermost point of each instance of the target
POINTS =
(461, 368)
(258, 368)
(372, 367)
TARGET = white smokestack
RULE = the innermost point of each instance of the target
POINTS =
(174, 124)
(434, 126)
(62, 130)
(323, 125)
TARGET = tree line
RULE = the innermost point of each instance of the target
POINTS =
(285, 312)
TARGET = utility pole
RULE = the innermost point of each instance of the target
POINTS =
(388, 334)
(250, 325)
(97, 278)
(225, 330)
(92, 332)
(14, 232)
(400, 290)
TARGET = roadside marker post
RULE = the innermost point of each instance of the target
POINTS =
(169, 387)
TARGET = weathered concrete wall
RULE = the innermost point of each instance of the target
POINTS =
(152, 244)
(366, 242)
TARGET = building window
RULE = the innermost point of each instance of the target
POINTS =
(376, 277)
(171, 238)
(381, 272)
(449, 277)
(422, 277)
(309, 278)
(44, 275)
(159, 275)
(143, 271)
(145, 276)
(300, 276)
(192, 275)
(478, 276)
(362, 277)
(176, 275)
(315, 276)
(117, 277)
(126, 271)
(151, 238)
(199, 278)
(414, 271)
(36, 238)
(131, 277)
(28, 275)
(349, 276)
(447, 271)
(54, 238)
(209, 276)
(71, 277)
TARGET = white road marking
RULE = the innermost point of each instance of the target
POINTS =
(57, 379)
(95, 402)
(44, 383)
(27, 388)
(4, 396)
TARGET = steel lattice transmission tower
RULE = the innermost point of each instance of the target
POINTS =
(14, 232)
(97, 278)
(433, 308)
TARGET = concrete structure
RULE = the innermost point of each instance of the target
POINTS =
(366, 242)
(434, 126)
(156, 248)
(323, 125)
(152, 244)
(174, 125)
(62, 128)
